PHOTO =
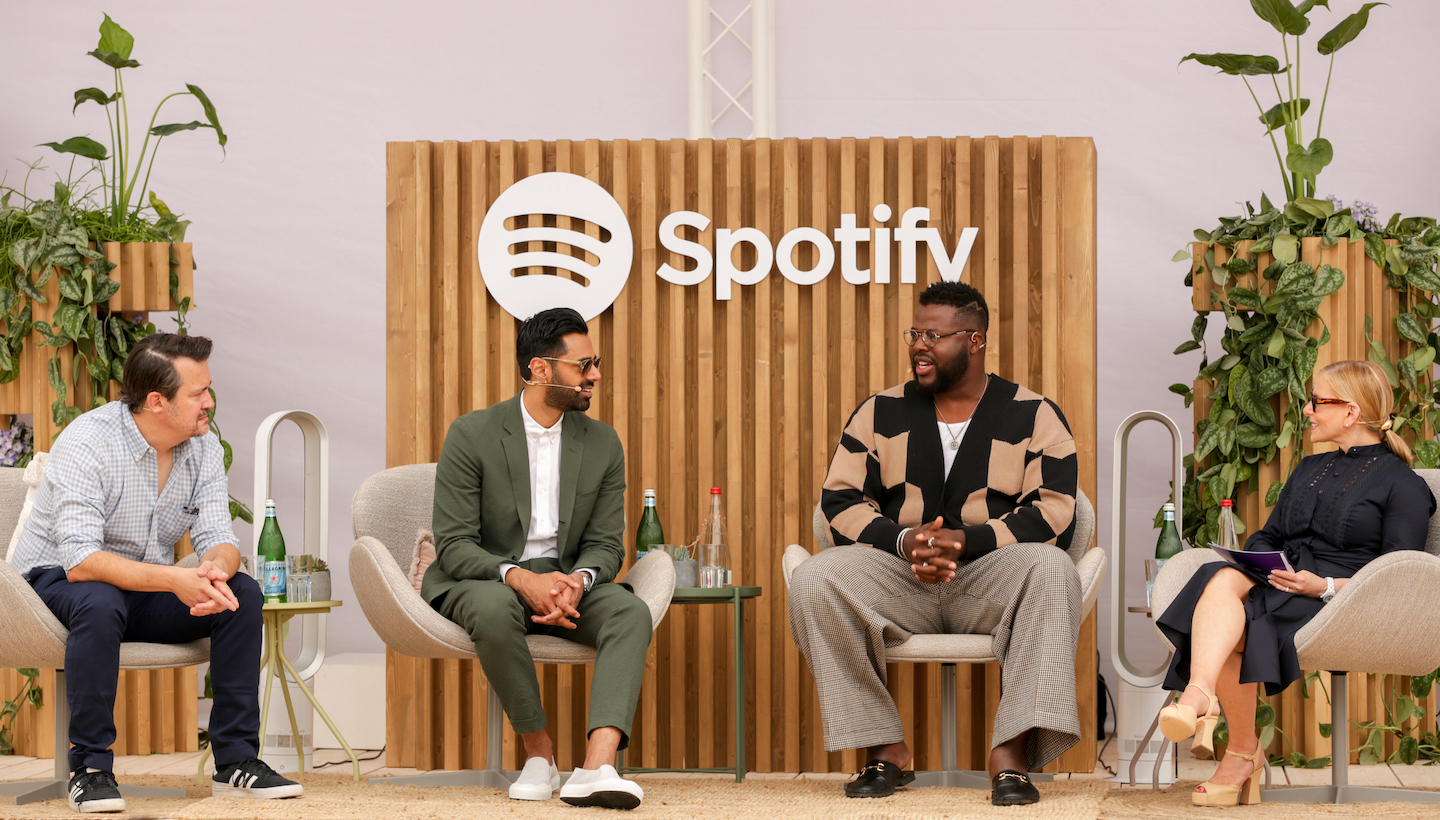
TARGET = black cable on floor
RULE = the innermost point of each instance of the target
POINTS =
(375, 756)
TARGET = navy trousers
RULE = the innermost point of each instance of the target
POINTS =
(100, 616)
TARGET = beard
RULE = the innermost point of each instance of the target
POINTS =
(567, 400)
(946, 374)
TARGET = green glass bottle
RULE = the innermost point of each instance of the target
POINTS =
(648, 533)
(1169, 544)
(270, 555)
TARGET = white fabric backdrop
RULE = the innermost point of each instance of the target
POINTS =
(290, 224)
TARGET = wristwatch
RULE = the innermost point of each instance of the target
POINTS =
(587, 579)
(1329, 591)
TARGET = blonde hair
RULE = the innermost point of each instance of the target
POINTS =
(1365, 384)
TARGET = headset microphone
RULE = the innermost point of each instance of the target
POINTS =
(550, 384)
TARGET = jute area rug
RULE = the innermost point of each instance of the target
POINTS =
(1144, 804)
(331, 798)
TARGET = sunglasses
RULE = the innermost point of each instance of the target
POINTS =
(1315, 402)
(584, 364)
(929, 337)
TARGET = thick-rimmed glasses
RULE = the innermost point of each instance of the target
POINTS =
(1315, 402)
(584, 364)
(929, 337)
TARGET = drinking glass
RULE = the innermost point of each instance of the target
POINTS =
(714, 558)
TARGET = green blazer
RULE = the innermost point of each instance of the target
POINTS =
(482, 497)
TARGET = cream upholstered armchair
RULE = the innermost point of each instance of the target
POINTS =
(33, 637)
(388, 510)
(949, 650)
(1383, 621)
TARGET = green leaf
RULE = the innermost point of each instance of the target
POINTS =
(1318, 208)
(1327, 280)
(1349, 28)
(1408, 752)
(175, 127)
(1253, 435)
(1267, 736)
(1273, 494)
(1282, 114)
(1281, 14)
(112, 59)
(1427, 454)
(1264, 715)
(1319, 763)
(85, 95)
(1180, 256)
(1187, 346)
(1375, 248)
(1236, 65)
(1306, 5)
(1270, 381)
(210, 115)
(1324, 728)
(1197, 327)
(1377, 355)
(28, 288)
(1410, 329)
(71, 288)
(1297, 278)
(115, 39)
(1287, 248)
(1307, 162)
(1245, 297)
(84, 146)
(1405, 708)
(1423, 278)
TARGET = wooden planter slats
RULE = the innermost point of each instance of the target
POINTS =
(155, 711)
(1363, 294)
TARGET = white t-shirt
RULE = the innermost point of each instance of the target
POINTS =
(949, 432)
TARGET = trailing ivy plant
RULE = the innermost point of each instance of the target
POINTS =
(30, 694)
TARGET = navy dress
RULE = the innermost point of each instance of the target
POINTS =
(1338, 512)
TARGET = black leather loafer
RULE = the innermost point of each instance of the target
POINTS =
(1012, 788)
(879, 778)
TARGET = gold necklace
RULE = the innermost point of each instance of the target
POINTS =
(955, 442)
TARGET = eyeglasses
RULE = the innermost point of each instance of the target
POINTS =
(584, 364)
(1316, 402)
(930, 337)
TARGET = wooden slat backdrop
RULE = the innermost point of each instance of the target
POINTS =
(748, 394)
(1364, 294)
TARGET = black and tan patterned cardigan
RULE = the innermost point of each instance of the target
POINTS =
(1014, 478)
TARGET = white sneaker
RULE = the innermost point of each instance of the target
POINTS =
(538, 780)
(603, 787)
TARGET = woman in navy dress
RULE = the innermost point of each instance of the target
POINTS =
(1235, 629)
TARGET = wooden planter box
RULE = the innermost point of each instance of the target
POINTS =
(1364, 294)
(155, 711)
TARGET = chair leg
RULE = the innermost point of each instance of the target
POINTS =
(492, 777)
(1340, 790)
(949, 776)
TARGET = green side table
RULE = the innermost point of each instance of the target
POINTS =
(724, 595)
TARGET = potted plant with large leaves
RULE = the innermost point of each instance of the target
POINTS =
(99, 250)
(1294, 285)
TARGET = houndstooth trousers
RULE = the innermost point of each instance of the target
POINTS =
(848, 604)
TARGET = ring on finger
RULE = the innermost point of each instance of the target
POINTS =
(931, 542)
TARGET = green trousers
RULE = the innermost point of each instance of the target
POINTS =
(612, 619)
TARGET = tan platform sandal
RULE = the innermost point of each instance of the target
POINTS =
(1221, 794)
(1178, 721)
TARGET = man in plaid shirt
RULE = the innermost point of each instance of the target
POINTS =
(123, 484)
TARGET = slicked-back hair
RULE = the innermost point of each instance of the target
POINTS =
(544, 335)
(150, 367)
(965, 299)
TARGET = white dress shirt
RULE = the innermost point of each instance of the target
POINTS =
(542, 540)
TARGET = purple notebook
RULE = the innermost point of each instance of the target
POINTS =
(1266, 562)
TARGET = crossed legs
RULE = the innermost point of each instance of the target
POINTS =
(1216, 644)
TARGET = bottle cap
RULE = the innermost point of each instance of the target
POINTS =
(1169, 507)
(1227, 503)
(269, 502)
(714, 490)
(649, 493)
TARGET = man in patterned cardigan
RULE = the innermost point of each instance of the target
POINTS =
(951, 499)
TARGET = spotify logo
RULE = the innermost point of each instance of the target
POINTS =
(506, 251)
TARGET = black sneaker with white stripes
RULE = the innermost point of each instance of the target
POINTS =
(252, 778)
(95, 791)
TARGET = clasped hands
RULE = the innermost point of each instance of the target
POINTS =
(205, 590)
(933, 552)
(553, 596)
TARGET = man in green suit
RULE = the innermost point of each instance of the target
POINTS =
(529, 519)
